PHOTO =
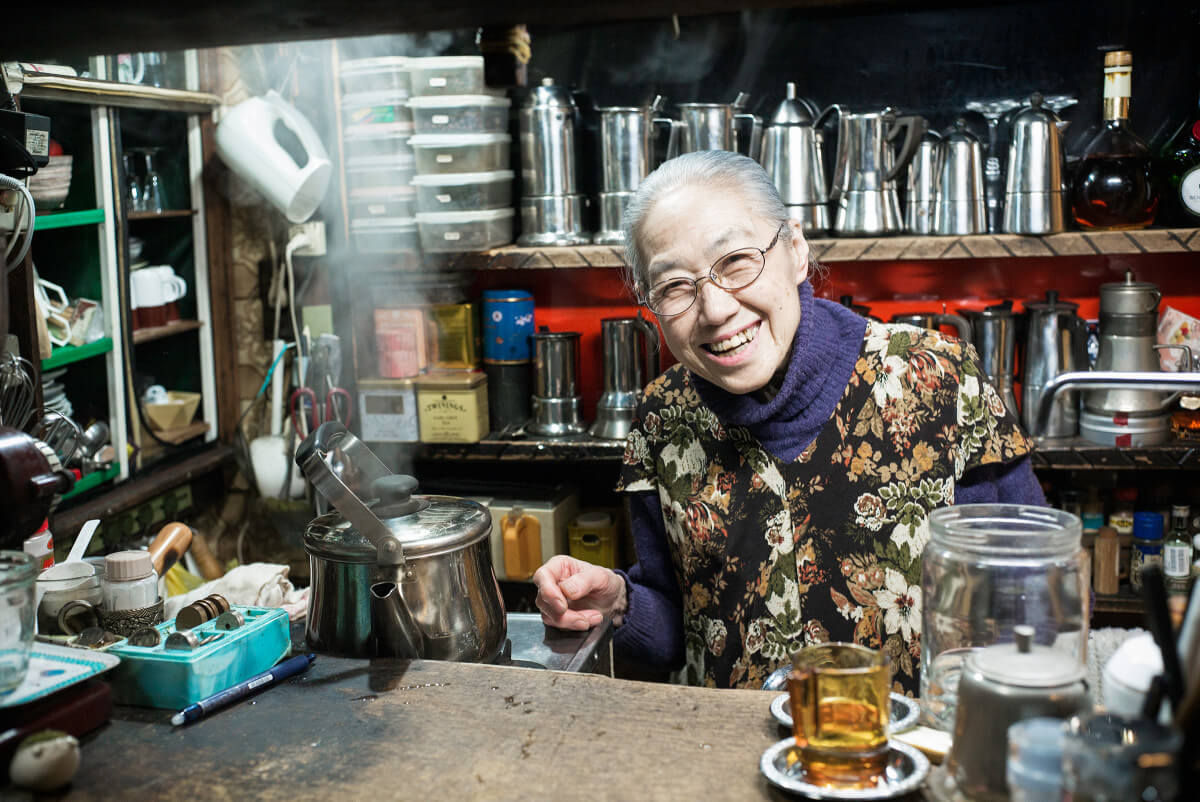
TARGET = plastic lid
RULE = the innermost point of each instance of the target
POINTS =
(376, 97)
(461, 179)
(1035, 748)
(1147, 525)
(400, 224)
(124, 566)
(379, 64)
(597, 519)
(400, 192)
(447, 101)
(1025, 664)
(400, 161)
(378, 131)
(457, 140)
(470, 216)
(445, 62)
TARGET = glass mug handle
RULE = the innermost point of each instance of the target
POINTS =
(802, 693)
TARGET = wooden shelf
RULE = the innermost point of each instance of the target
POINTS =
(158, 332)
(580, 448)
(858, 249)
(169, 213)
(112, 93)
(52, 220)
(67, 354)
(1078, 454)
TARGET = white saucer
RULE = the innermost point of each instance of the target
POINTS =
(906, 770)
(904, 713)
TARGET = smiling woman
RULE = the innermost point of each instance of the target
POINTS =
(781, 475)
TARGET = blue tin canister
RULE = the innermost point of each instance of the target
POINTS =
(507, 325)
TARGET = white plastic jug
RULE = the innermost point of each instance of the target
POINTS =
(295, 177)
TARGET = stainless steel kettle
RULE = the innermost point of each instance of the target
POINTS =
(866, 168)
(1033, 198)
(395, 574)
(791, 155)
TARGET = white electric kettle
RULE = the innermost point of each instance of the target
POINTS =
(271, 145)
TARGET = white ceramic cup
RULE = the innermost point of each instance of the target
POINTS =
(174, 287)
(146, 288)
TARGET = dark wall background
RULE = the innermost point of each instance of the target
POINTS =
(930, 62)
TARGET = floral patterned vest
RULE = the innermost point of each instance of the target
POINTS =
(771, 556)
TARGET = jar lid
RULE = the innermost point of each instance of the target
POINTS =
(124, 566)
(1025, 664)
(1147, 525)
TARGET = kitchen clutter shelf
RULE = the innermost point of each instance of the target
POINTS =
(158, 332)
(112, 93)
(67, 354)
(53, 220)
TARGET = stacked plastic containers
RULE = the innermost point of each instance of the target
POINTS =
(379, 160)
(461, 147)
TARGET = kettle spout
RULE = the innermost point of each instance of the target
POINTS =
(396, 631)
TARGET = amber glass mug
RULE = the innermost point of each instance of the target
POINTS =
(840, 711)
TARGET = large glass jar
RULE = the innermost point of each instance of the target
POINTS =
(17, 571)
(986, 569)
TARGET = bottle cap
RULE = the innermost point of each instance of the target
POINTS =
(1118, 58)
(123, 566)
(1147, 525)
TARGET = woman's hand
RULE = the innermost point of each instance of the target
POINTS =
(573, 594)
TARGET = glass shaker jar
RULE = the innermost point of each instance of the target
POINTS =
(17, 573)
(989, 568)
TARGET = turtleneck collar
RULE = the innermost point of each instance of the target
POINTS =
(820, 361)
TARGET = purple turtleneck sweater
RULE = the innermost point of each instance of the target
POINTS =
(821, 361)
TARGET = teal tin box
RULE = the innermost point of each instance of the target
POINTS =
(173, 678)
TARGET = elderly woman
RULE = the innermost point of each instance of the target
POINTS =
(780, 477)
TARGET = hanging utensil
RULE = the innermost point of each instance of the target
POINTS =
(60, 433)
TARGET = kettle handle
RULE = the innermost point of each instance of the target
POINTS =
(310, 140)
(914, 126)
(653, 362)
(960, 323)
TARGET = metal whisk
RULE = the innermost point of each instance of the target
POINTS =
(61, 434)
(18, 393)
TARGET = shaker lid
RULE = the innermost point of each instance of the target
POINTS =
(549, 94)
(792, 110)
(1025, 664)
(122, 566)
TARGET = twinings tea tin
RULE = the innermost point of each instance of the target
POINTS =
(452, 407)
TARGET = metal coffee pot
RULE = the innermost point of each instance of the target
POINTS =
(1033, 198)
(994, 335)
(920, 201)
(720, 126)
(999, 686)
(1128, 333)
(961, 207)
(625, 373)
(791, 155)
(557, 406)
(935, 320)
(866, 167)
(1056, 343)
(627, 155)
(395, 574)
(552, 208)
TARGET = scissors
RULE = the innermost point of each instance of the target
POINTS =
(305, 409)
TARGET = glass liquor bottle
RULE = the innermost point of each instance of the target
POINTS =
(1179, 168)
(1114, 187)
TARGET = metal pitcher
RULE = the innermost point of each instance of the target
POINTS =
(920, 201)
(791, 156)
(720, 126)
(935, 320)
(395, 574)
(625, 374)
(1033, 197)
(1055, 343)
(866, 168)
(627, 136)
(994, 335)
(961, 207)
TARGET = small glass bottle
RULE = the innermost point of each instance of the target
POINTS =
(129, 581)
(1114, 187)
(1177, 552)
(1147, 546)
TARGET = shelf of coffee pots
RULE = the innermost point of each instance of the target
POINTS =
(851, 249)
(504, 446)
(1075, 453)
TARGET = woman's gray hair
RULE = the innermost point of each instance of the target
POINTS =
(715, 169)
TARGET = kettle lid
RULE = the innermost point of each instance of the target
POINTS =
(1025, 664)
(549, 94)
(1035, 113)
(792, 110)
(1051, 304)
(959, 133)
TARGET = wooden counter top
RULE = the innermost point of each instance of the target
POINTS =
(395, 729)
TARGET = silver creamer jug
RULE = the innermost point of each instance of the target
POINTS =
(1033, 198)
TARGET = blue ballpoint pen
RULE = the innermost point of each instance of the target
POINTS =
(243, 689)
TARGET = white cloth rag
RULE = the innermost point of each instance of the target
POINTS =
(253, 585)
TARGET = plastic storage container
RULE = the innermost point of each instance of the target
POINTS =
(453, 232)
(385, 235)
(460, 114)
(460, 153)
(378, 141)
(986, 569)
(391, 172)
(387, 202)
(458, 192)
(373, 108)
(446, 75)
(385, 74)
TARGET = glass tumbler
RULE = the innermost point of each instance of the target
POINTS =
(1110, 758)
(986, 569)
(17, 572)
